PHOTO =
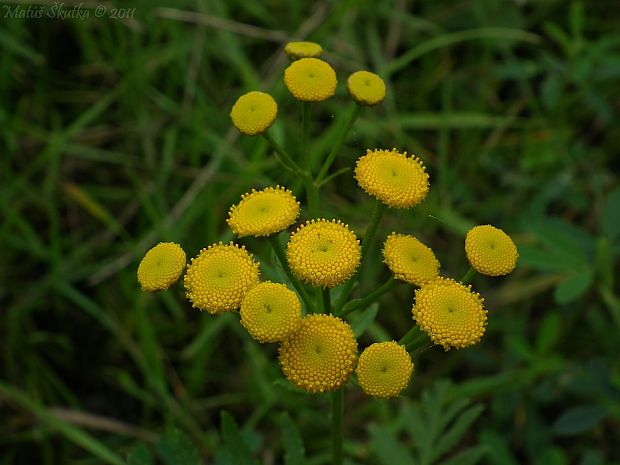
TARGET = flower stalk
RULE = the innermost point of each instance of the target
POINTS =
(337, 408)
(277, 248)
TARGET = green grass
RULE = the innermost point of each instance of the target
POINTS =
(115, 135)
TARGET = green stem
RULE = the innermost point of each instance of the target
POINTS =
(419, 342)
(312, 192)
(353, 114)
(327, 306)
(355, 304)
(370, 233)
(277, 248)
(412, 334)
(283, 156)
(337, 433)
(467, 277)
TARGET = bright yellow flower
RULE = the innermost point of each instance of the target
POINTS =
(161, 267)
(297, 50)
(384, 369)
(254, 112)
(323, 253)
(409, 259)
(218, 279)
(490, 251)
(366, 88)
(392, 177)
(450, 313)
(261, 213)
(310, 79)
(320, 355)
(270, 312)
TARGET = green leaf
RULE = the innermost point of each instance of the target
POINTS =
(499, 451)
(469, 456)
(611, 215)
(451, 437)
(579, 419)
(573, 287)
(387, 448)
(234, 443)
(548, 333)
(175, 448)
(365, 319)
(551, 91)
(141, 455)
(294, 452)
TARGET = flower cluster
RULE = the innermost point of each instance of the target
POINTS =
(318, 350)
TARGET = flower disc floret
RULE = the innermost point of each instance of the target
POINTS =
(323, 253)
(320, 355)
(366, 88)
(161, 267)
(490, 250)
(270, 312)
(384, 369)
(450, 313)
(297, 50)
(397, 180)
(310, 79)
(264, 212)
(254, 112)
(409, 259)
(220, 276)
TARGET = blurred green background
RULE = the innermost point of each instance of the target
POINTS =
(115, 135)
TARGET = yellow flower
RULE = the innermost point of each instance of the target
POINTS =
(490, 251)
(366, 88)
(392, 177)
(297, 50)
(384, 369)
(254, 112)
(261, 213)
(270, 312)
(310, 79)
(220, 276)
(320, 355)
(323, 253)
(450, 313)
(409, 259)
(161, 267)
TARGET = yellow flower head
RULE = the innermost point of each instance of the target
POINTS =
(310, 79)
(161, 267)
(409, 259)
(450, 313)
(384, 369)
(297, 50)
(366, 88)
(270, 312)
(392, 177)
(320, 355)
(254, 112)
(261, 213)
(490, 251)
(220, 276)
(323, 253)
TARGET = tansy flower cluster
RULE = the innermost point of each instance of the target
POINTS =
(317, 347)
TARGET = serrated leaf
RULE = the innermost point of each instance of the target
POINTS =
(141, 455)
(387, 448)
(363, 322)
(469, 456)
(452, 436)
(234, 443)
(611, 215)
(578, 419)
(548, 333)
(294, 451)
(573, 287)
(175, 448)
